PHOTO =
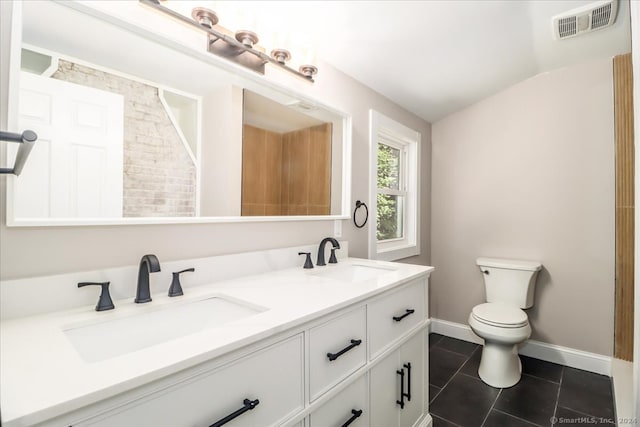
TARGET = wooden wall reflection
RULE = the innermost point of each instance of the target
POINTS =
(286, 173)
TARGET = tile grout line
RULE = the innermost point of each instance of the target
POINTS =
(463, 365)
(447, 383)
(450, 422)
(555, 409)
(518, 418)
(455, 352)
(470, 376)
(455, 373)
(435, 343)
(442, 337)
(583, 413)
(540, 378)
(436, 395)
(491, 409)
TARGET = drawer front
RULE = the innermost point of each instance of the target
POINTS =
(390, 316)
(340, 338)
(273, 375)
(344, 406)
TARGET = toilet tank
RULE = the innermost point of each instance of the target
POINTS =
(509, 281)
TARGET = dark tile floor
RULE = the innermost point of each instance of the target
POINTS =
(548, 394)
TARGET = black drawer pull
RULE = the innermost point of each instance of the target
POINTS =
(408, 394)
(408, 312)
(356, 413)
(401, 401)
(248, 405)
(334, 356)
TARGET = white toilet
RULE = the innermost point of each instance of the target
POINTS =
(500, 322)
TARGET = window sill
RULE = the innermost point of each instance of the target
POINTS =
(397, 252)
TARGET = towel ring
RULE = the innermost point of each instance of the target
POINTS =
(360, 204)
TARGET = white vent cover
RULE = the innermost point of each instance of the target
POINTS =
(585, 19)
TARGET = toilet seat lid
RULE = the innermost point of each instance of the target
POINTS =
(498, 314)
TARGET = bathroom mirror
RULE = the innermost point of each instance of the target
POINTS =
(156, 132)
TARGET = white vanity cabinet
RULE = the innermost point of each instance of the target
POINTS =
(362, 363)
(273, 376)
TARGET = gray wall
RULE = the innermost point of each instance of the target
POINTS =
(35, 251)
(529, 173)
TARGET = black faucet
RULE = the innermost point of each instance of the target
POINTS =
(333, 259)
(148, 264)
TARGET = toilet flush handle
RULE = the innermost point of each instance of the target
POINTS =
(485, 272)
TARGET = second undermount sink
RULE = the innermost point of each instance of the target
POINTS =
(353, 272)
(100, 341)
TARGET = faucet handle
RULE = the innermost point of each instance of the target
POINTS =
(332, 258)
(105, 302)
(175, 289)
(307, 261)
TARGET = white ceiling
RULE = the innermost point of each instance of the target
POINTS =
(436, 57)
(432, 57)
(264, 113)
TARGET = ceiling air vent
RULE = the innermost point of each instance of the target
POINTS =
(585, 19)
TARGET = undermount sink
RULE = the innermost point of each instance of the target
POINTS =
(353, 272)
(100, 341)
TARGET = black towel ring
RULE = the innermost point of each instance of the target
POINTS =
(359, 204)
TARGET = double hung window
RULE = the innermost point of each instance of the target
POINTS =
(395, 151)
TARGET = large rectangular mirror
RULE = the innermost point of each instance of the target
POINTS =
(153, 133)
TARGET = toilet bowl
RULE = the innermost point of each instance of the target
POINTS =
(500, 322)
(502, 327)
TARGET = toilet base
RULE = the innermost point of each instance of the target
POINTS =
(500, 365)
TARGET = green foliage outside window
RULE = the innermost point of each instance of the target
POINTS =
(388, 205)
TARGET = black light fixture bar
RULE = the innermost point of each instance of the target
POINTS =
(231, 49)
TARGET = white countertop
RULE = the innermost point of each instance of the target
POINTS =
(43, 376)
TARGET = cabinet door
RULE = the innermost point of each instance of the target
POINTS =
(385, 391)
(411, 354)
(387, 386)
(272, 375)
(349, 403)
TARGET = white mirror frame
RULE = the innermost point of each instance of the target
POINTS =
(12, 120)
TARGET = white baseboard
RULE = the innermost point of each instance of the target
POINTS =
(579, 359)
(427, 421)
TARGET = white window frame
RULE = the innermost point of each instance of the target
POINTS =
(389, 132)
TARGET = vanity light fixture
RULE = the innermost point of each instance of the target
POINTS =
(205, 17)
(281, 55)
(308, 70)
(247, 38)
(240, 48)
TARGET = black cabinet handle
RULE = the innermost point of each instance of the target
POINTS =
(248, 405)
(407, 312)
(408, 394)
(401, 401)
(355, 414)
(334, 356)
